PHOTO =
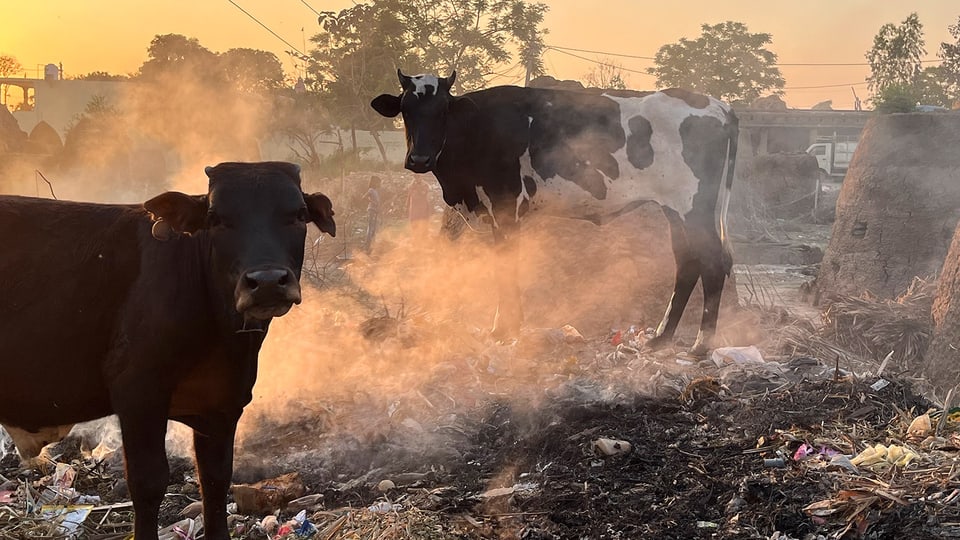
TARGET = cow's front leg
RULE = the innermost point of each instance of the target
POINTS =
(509, 316)
(143, 425)
(213, 445)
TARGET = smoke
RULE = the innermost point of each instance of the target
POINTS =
(389, 360)
(387, 356)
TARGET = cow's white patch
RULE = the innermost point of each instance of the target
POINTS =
(425, 85)
(668, 181)
(488, 204)
(473, 220)
(29, 444)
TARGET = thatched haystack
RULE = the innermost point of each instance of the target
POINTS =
(941, 359)
(12, 137)
(897, 209)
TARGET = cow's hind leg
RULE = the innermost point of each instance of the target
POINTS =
(715, 264)
(213, 438)
(687, 274)
(509, 316)
(143, 428)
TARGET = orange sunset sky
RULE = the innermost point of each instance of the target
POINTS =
(113, 35)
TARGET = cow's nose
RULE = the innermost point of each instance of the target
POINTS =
(274, 278)
(419, 161)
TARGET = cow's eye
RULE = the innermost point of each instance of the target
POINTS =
(213, 219)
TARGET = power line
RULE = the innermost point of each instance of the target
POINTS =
(598, 62)
(786, 64)
(318, 14)
(267, 28)
(824, 86)
(559, 48)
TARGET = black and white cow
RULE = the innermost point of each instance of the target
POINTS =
(505, 152)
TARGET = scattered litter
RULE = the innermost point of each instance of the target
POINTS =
(881, 455)
(879, 385)
(707, 525)
(268, 496)
(612, 447)
(386, 485)
(920, 428)
(67, 518)
(774, 463)
(498, 492)
(269, 524)
(726, 356)
(383, 507)
(571, 334)
(307, 502)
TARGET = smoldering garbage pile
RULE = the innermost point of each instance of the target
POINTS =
(433, 431)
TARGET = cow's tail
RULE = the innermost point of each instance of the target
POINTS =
(726, 185)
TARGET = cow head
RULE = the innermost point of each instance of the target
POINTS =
(254, 219)
(425, 103)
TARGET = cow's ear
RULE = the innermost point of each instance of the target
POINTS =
(321, 212)
(182, 213)
(463, 107)
(386, 105)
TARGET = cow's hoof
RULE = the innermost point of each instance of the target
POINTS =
(504, 334)
(657, 343)
(699, 350)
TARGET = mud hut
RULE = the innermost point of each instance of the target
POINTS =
(940, 360)
(897, 209)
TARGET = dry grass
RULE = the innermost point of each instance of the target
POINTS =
(866, 329)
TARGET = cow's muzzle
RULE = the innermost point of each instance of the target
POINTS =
(420, 163)
(267, 292)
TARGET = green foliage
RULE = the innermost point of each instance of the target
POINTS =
(174, 57)
(9, 66)
(726, 61)
(101, 76)
(895, 58)
(251, 70)
(896, 98)
(932, 88)
(357, 53)
(949, 53)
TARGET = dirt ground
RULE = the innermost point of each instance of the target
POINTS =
(404, 422)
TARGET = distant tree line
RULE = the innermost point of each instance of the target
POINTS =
(899, 80)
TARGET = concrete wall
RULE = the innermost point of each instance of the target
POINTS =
(58, 102)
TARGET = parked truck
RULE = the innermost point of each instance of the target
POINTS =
(833, 157)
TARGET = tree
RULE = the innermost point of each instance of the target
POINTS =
(251, 70)
(472, 37)
(356, 57)
(895, 58)
(8, 66)
(726, 61)
(177, 55)
(932, 87)
(606, 74)
(101, 76)
(949, 53)
(896, 98)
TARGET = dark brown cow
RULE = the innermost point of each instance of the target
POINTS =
(150, 312)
